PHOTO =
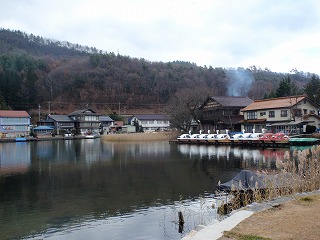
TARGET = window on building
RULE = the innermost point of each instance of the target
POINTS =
(248, 128)
(305, 111)
(284, 113)
(297, 112)
(262, 114)
(230, 112)
(251, 115)
(271, 114)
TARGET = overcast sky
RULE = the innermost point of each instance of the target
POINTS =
(277, 34)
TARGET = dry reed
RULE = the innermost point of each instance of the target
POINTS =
(297, 172)
(152, 136)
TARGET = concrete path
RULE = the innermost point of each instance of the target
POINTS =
(215, 230)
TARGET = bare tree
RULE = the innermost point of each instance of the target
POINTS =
(184, 106)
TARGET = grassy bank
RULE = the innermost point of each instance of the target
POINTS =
(295, 219)
(154, 136)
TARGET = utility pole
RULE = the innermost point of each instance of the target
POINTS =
(49, 108)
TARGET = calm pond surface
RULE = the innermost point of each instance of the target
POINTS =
(91, 189)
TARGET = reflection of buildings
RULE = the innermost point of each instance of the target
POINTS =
(141, 150)
(86, 150)
(14, 157)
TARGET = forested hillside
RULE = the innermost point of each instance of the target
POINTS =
(64, 76)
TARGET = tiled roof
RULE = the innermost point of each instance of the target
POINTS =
(272, 103)
(61, 118)
(83, 112)
(151, 117)
(11, 113)
(106, 119)
(233, 101)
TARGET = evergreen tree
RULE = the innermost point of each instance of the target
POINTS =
(287, 88)
(3, 105)
(312, 89)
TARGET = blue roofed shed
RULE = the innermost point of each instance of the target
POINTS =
(43, 130)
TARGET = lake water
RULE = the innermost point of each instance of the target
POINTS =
(90, 189)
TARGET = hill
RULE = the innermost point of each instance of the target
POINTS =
(61, 77)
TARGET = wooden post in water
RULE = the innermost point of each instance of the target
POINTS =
(181, 222)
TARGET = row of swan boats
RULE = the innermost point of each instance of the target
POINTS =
(244, 138)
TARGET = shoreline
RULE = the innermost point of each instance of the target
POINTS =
(33, 139)
(216, 230)
(151, 136)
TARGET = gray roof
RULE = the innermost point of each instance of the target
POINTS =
(233, 101)
(61, 118)
(106, 119)
(151, 117)
(83, 112)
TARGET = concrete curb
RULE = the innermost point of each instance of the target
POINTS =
(215, 230)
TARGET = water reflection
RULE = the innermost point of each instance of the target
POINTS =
(249, 158)
(87, 188)
(14, 158)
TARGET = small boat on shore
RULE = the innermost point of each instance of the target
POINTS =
(303, 141)
(21, 139)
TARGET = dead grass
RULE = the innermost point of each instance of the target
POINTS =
(297, 219)
(154, 136)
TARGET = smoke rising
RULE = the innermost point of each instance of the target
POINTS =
(240, 82)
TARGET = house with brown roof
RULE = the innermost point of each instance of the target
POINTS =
(116, 126)
(14, 124)
(220, 113)
(285, 114)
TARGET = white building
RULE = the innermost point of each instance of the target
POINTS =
(14, 124)
(284, 114)
(152, 122)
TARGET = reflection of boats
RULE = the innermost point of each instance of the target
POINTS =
(273, 154)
